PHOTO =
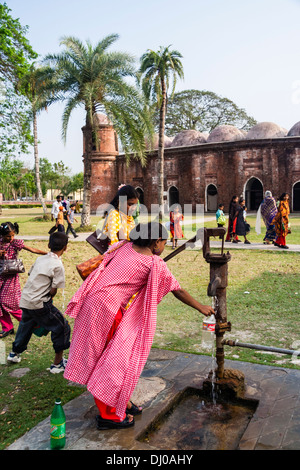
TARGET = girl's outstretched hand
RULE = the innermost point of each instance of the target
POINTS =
(187, 299)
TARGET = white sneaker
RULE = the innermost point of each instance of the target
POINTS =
(14, 357)
(57, 368)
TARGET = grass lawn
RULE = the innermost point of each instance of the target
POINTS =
(263, 305)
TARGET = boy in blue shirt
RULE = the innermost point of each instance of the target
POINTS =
(221, 214)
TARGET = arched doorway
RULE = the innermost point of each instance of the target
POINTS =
(173, 196)
(296, 197)
(211, 198)
(253, 194)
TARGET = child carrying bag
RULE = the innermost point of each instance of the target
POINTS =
(11, 266)
(221, 220)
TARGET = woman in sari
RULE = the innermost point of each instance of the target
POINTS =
(267, 210)
(176, 219)
(115, 318)
(232, 219)
(242, 227)
(281, 221)
(119, 221)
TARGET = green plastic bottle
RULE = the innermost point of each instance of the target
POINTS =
(58, 427)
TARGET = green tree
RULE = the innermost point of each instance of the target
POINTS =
(63, 172)
(15, 130)
(10, 176)
(48, 176)
(74, 184)
(203, 111)
(35, 85)
(157, 70)
(16, 55)
(95, 79)
(15, 51)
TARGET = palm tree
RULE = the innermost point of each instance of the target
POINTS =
(95, 79)
(34, 85)
(156, 70)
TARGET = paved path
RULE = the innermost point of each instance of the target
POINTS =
(214, 244)
(273, 423)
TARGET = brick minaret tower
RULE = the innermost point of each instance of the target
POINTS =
(103, 162)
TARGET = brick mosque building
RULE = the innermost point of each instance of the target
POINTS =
(203, 168)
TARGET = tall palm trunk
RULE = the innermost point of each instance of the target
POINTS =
(87, 172)
(161, 145)
(37, 165)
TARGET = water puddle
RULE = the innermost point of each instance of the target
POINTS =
(198, 423)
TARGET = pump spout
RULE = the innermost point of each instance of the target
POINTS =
(213, 286)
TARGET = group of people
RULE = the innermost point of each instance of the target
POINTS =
(274, 214)
(276, 219)
(62, 210)
(114, 310)
(237, 222)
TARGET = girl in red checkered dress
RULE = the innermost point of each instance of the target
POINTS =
(10, 289)
(115, 318)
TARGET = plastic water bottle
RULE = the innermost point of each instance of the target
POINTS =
(58, 427)
(208, 332)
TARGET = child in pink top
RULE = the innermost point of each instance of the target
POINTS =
(10, 289)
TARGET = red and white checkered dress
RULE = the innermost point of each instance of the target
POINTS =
(10, 289)
(111, 373)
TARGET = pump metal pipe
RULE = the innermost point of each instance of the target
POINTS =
(229, 342)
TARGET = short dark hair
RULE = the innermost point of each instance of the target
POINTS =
(57, 241)
(146, 234)
(221, 205)
(7, 227)
(73, 204)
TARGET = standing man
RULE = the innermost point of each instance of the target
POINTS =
(55, 207)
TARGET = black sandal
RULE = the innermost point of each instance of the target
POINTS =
(134, 410)
(109, 424)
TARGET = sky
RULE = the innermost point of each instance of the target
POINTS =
(245, 50)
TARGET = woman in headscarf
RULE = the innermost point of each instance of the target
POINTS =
(267, 210)
(281, 221)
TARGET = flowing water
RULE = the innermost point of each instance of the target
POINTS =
(214, 304)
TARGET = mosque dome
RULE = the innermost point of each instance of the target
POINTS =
(266, 130)
(188, 137)
(168, 142)
(225, 133)
(295, 130)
